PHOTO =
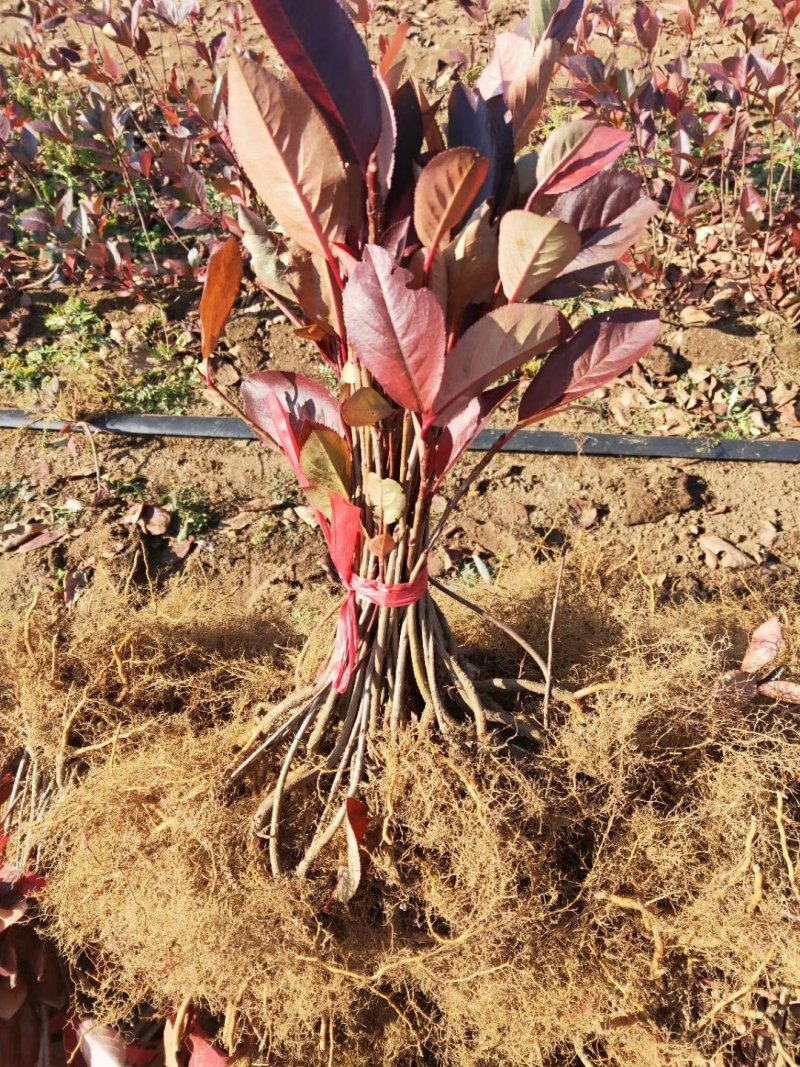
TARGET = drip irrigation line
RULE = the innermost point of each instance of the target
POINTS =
(543, 442)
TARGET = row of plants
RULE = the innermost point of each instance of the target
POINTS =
(118, 168)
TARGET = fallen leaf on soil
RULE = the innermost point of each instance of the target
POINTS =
(306, 514)
(721, 553)
(240, 521)
(582, 514)
(150, 518)
(177, 552)
(75, 581)
(694, 316)
(765, 644)
(784, 692)
(767, 534)
(17, 533)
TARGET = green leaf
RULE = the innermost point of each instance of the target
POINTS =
(325, 459)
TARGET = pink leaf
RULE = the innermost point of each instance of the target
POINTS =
(783, 692)
(396, 332)
(598, 352)
(304, 401)
(203, 1053)
(497, 344)
(100, 1046)
(342, 535)
(765, 644)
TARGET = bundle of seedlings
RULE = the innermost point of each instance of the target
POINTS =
(425, 267)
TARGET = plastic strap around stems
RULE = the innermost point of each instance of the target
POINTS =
(383, 595)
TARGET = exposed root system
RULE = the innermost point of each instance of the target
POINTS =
(619, 887)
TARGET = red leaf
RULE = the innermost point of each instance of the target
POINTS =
(203, 1053)
(765, 644)
(358, 817)
(342, 535)
(323, 50)
(464, 427)
(304, 400)
(598, 352)
(396, 332)
(356, 822)
(576, 152)
(497, 344)
(223, 278)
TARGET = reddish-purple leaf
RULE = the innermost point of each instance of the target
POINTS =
(464, 427)
(223, 279)
(288, 154)
(481, 124)
(445, 190)
(576, 152)
(304, 400)
(522, 73)
(100, 1046)
(598, 352)
(322, 48)
(604, 246)
(599, 202)
(499, 343)
(396, 332)
(765, 644)
(753, 209)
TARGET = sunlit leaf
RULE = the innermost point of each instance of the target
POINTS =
(385, 496)
(396, 332)
(764, 646)
(266, 262)
(471, 264)
(100, 1046)
(785, 692)
(533, 250)
(366, 407)
(304, 401)
(223, 280)
(602, 349)
(324, 51)
(462, 429)
(288, 154)
(445, 190)
(575, 152)
(499, 343)
(325, 459)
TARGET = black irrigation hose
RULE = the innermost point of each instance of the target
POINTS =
(548, 442)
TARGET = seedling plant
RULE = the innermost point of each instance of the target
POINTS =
(421, 262)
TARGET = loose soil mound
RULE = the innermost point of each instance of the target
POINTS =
(623, 894)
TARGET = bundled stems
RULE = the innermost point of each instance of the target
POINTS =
(410, 673)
